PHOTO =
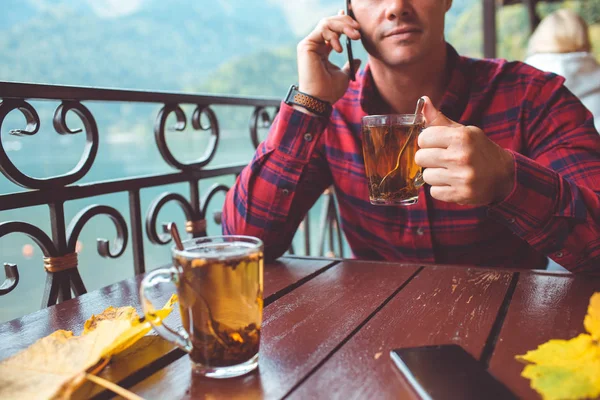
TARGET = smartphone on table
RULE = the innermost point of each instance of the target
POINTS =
(448, 372)
(349, 44)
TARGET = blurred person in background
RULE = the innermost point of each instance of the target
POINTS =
(561, 44)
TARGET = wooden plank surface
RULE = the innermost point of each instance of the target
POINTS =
(543, 307)
(152, 352)
(440, 306)
(285, 274)
(299, 331)
(19, 333)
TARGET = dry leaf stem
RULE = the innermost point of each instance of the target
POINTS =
(113, 387)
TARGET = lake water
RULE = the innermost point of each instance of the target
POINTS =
(127, 149)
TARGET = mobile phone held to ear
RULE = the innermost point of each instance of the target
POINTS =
(349, 44)
(448, 372)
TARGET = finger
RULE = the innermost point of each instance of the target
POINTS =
(436, 137)
(352, 33)
(333, 40)
(346, 26)
(356, 62)
(335, 25)
(444, 193)
(436, 176)
(431, 158)
(434, 117)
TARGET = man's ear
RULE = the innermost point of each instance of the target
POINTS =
(448, 4)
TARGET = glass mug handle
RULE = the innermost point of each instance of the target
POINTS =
(418, 181)
(163, 275)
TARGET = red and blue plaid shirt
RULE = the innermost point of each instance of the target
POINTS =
(553, 210)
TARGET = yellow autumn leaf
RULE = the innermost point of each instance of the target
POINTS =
(137, 330)
(564, 352)
(592, 319)
(565, 369)
(111, 313)
(54, 366)
(568, 369)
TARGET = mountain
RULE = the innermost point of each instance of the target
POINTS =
(161, 46)
(244, 47)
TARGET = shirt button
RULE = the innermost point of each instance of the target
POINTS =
(308, 137)
(285, 192)
(420, 231)
(511, 220)
(559, 254)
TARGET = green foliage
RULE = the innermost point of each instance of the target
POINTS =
(588, 9)
(513, 32)
(267, 73)
(465, 32)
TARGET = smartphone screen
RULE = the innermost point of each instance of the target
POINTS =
(349, 44)
(447, 372)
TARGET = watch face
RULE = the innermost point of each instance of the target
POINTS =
(289, 98)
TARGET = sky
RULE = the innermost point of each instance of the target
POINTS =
(114, 8)
(302, 15)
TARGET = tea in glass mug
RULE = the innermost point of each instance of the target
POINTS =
(219, 282)
(389, 148)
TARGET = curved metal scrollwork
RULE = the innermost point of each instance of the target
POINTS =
(33, 123)
(214, 189)
(154, 210)
(11, 279)
(32, 118)
(160, 130)
(79, 221)
(37, 235)
(260, 120)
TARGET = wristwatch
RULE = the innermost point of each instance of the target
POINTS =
(312, 104)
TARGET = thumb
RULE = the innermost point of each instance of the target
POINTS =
(356, 63)
(434, 117)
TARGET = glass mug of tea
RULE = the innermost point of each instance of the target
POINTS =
(389, 147)
(219, 282)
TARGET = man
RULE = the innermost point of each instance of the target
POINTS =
(511, 157)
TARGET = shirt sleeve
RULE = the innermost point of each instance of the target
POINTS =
(286, 176)
(555, 202)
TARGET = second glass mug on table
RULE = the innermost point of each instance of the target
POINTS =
(389, 147)
(219, 283)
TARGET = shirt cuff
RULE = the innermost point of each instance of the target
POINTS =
(533, 201)
(296, 133)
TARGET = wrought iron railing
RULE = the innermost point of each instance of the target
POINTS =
(59, 248)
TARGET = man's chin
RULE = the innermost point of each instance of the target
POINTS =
(401, 53)
(402, 58)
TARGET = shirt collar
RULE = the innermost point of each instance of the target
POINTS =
(454, 100)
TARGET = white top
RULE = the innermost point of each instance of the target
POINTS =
(582, 74)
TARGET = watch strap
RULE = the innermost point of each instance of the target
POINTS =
(308, 102)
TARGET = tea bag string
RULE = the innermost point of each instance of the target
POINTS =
(418, 111)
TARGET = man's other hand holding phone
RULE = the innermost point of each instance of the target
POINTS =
(319, 77)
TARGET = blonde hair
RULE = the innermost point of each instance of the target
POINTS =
(563, 31)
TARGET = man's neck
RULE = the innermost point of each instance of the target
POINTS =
(401, 87)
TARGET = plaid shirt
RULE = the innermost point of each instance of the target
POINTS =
(553, 210)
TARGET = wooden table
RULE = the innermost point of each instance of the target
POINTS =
(329, 326)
